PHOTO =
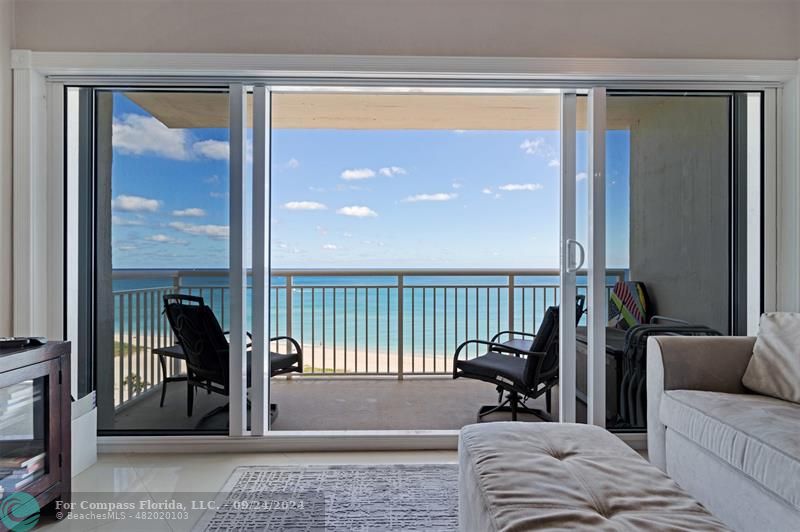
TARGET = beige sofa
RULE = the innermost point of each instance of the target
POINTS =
(737, 452)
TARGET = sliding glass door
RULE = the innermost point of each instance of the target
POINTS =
(682, 225)
(380, 230)
(161, 226)
(582, 260)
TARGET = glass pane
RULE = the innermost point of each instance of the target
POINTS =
(456, 197)
(668, 229)
(162, 189)
(23, 434)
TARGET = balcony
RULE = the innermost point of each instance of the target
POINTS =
(377, 344)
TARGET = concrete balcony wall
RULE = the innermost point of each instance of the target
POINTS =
(679, 204)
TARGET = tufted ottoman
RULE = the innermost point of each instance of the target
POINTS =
(533, 476)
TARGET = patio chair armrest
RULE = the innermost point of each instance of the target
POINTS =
(494, 346)
(654, 320)
(515, 333)
(297, 349)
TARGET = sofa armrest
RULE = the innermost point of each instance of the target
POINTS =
(712, 363)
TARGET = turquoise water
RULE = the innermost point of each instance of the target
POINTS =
(360, 313)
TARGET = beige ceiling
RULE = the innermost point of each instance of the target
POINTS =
(372, 111)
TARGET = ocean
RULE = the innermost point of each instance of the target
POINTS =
(360, 313)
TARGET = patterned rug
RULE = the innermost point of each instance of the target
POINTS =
(337, 498)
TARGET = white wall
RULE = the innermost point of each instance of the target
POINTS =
(714, 29)
(6, 43)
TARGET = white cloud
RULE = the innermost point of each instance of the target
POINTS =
(390, 171)
(164, 239)
(580, 176)
(487, 190)
(138, 135)
(456, 185)
(539, 147)
(292, 163)
(553, 163)
(192, 212)
(213, 180)
(532, 146)
(357, 173)
(359, 211)
(218, 194)
(214, 231)
(117, 220)
(329, 246)
(304, 206)
(440, 196)
(212, 149)
(347, 235)
(135, 204)
(512, 187)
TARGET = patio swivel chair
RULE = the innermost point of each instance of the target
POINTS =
(522, 369)
(207, 349)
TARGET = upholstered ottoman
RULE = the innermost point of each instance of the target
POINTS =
(533, 476)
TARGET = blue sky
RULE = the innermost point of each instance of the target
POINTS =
(349, 198)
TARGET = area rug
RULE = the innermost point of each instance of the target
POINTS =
(337, 498)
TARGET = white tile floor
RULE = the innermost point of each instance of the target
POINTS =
(156, 477)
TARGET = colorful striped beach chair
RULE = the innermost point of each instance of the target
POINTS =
(628, 305)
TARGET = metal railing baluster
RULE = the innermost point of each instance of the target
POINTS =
(444, 347)
(413, 331)
(289, 300)
(313, 330)
(388, 331)
(119, 357)
(435, 330)
(424, 328)
(400, 327)
(355, 326)
(488, 304)
(333, 318)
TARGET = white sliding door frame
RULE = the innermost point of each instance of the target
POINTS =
(262, 137)
(567, 264)
(32, 70)
(596, 300)
(237, 362)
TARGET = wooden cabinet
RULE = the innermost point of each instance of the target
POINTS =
(35, 421)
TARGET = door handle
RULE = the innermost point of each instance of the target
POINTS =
(574, 243)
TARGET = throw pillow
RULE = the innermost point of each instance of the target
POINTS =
(774, 368)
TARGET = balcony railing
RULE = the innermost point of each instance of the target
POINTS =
(349, 322)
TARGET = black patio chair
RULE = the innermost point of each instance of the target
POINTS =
(522, 369)
(207, 349)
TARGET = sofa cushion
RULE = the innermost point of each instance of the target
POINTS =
(774, 369)
(559, 476)
(756, 434)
